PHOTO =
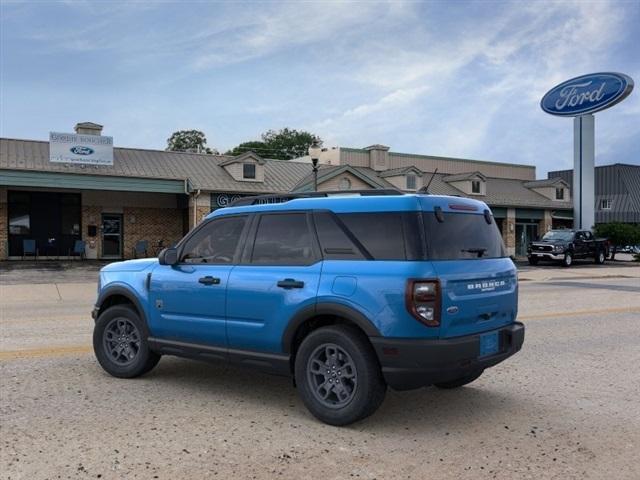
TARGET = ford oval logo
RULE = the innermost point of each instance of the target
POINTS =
(79, 150)
(587, 94)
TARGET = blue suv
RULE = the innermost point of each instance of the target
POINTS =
(348, 294)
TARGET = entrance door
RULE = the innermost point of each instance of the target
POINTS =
(525, 233)
(111, 235)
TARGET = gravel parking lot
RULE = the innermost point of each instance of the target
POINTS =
(565, 407)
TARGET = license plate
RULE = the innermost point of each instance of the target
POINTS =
(489, 344)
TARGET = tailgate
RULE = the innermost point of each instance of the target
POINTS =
(477, 295)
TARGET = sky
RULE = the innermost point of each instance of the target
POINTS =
(446, 78)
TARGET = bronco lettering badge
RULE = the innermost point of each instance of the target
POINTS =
(486, 286)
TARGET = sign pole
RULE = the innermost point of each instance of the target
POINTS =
(584, 172)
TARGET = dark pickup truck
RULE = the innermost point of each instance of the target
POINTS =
(565, 246)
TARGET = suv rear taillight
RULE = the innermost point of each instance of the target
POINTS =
(423, 301)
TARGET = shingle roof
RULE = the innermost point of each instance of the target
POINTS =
(203, 171)
(392, 172)
(500, 192)
(326, 172)
(458, 177)
(547, 182)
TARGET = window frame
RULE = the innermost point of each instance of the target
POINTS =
(479, 183)
(205, 224)
(560, 190)
(251, 235)
(255, 171)
(609, 204)
(414, 177)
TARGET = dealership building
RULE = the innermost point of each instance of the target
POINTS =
(78, 187)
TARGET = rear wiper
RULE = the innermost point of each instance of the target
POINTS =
(479, 251)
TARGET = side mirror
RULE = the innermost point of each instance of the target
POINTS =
(168, 256)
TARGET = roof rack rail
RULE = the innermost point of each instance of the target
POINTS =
(285, 197)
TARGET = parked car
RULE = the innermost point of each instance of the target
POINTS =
(564, 246)
(346, 294)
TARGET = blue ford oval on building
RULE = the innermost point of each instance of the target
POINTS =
(349, 294)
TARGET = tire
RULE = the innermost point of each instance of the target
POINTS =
(567, 261)
(532, 260)
(122, 323)
(351, 363)
(600, 257)
(459, 382)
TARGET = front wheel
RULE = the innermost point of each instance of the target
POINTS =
(600, 257)
(120, 343)
(338, 375)
(533, 260)
(460, 382)
(567, 261)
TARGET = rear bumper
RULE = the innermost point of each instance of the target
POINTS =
(408, 364)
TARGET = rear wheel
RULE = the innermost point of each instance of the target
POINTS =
(567, 261)
(338, 375)
(600, 257)
(459, 382)
(120, 343)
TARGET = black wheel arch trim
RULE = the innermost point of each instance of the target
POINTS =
(326, 308)
(108, 292)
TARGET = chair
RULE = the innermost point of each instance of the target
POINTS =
(29, 248)
(142, 246)
(78, 249)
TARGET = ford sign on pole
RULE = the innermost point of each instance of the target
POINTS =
(580, 97)
(80, 149)
(587, 94)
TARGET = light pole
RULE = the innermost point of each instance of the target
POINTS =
(314, 153)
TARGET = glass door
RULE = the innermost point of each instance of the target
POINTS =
(111, 235)
(525, 233)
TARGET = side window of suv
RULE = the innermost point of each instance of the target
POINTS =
(334, 240)
(216, 242)
(381, 233)
(283, 239)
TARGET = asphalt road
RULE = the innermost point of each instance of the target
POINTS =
(567, 406)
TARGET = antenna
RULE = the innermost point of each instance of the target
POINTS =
(426, 188)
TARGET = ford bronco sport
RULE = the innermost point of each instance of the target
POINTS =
(347, 294)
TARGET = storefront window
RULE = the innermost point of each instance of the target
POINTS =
(19, 217)
(70, 214)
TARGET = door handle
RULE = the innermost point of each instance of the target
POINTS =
(208, 280)
(290, 283)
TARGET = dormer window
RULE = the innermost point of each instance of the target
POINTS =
(249, 171)
(560, 193)
(411, 181)
(475, 186)
(345, 184)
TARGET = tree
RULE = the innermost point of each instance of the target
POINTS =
(188, 141)
(619, 234)
(283, 144)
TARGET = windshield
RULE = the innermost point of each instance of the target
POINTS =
(462, 236)
(558, 235)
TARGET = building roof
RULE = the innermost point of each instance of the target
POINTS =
(203, 171)
(327, 172)
(464, 176)
(547, 182)
(499, 191)
(394, 172)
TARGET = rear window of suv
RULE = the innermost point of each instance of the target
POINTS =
(462, 236)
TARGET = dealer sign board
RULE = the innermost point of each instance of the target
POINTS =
(587, 94)
(80, 149)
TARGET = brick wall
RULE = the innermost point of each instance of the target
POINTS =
(151, 224)
(4, 226)
(509, 231)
